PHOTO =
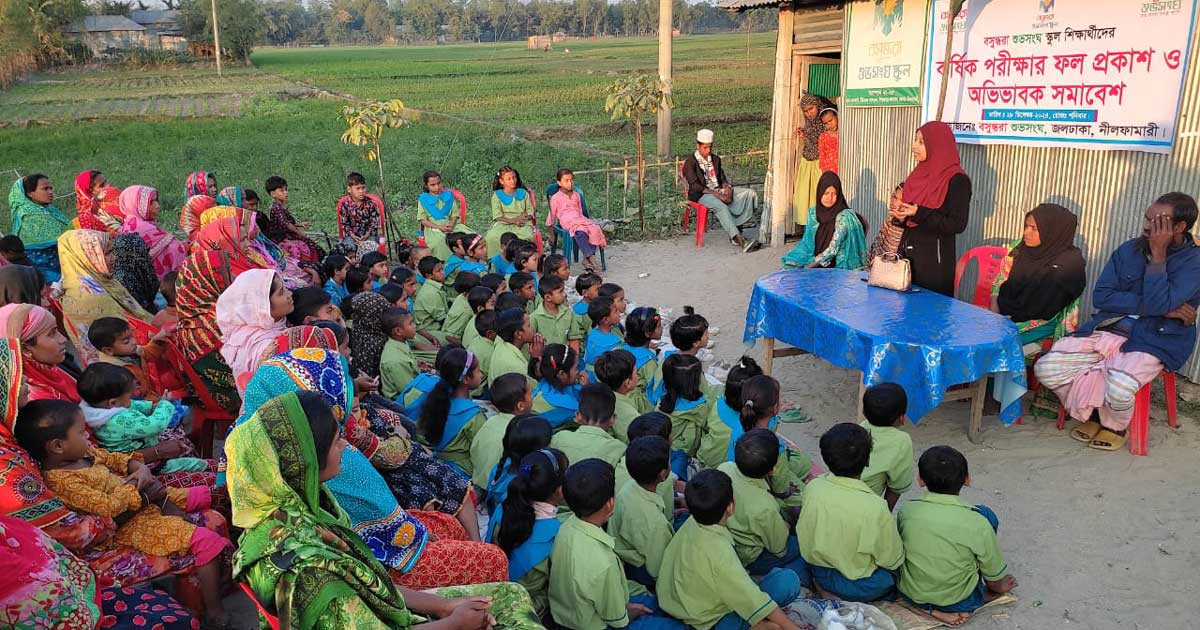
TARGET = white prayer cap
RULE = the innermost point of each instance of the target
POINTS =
(704, 136)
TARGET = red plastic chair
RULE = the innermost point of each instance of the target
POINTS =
(988, 260)
(699, 209)
(382, 228)
(1139, 428)
(462, 205)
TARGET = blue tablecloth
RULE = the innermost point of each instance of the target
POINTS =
(922, 340)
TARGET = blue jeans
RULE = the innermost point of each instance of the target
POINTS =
(679, 463)
(878, 585)
(639, 575)
(783, 587)
(659, 620)
(789, 559)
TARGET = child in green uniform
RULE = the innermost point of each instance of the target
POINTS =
(640, 525)
(459, 314)
(762, 538)
(483, 343)
(890, 471)
(525, 434)
(429, 306)
(952, 560)
(556, 397)
(529, 522)
(616, 369)
(449, 418)
(513, 333)
(689, 335)
(595, 420)
(654, 423)
(521, 283)
(725, 420)
(512, 396)
(684, 400)
(397, 364)
(846, 533)
(479, 299)
(642, 327)
(588, 590)
(552, 319)
(702, 582)
(587, 285)
(760, 406)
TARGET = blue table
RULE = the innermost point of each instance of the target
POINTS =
(922, 340)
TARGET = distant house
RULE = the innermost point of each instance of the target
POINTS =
(102, 33)
(163, 28)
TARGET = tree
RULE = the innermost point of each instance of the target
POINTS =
(111, 7)
(635, 97)
(241, 23)
(378, 22)
(365, 124)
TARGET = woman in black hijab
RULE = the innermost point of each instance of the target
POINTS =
(1045, 273)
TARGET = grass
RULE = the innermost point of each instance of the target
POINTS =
(488, 105)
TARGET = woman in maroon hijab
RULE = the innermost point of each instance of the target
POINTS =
(937, 196)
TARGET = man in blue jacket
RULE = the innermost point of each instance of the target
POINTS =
(1145, 322)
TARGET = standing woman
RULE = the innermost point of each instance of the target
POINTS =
(937, 198)
(89, 289)
(96, 203)
(808, 169)
(140, 205)
(38, 222)
(512, 208)
(438, 214)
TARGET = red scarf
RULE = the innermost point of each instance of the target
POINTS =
(927, 184)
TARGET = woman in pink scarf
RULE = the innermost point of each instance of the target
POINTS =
(251, 313)
(139, 204)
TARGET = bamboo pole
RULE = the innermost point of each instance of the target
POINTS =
(216, 38)
(664, 74)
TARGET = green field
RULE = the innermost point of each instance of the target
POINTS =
(479, 106)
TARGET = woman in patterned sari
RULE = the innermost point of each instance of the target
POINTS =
(398, 538)
(96, 203)
(38, 222)
(218, 256)
(140, 206)
(278, 460)
(89, 289)
(189, 215)
(200, 183)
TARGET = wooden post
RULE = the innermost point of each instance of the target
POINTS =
(216, 38)
(950, 15)
(978, 394)
(625, 190)
(777, 197)
(768, 355)
(608, 193)
(664, 74)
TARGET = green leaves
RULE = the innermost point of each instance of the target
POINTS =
(636, 95)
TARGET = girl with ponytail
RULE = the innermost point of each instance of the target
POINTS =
(642, 327)
(449, 418)
(724, 424)
(689, 335)
(414, 395)
(524, 435)
(556, 397)
(684, 400)
(759, 410)
(529, 521)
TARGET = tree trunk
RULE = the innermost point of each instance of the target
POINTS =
(641, 171)
(386, 223)
(950, 15)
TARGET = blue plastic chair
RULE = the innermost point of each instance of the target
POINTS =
(570, 249)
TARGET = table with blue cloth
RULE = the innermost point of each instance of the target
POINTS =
(922, 340)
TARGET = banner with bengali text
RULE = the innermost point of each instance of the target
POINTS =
(885, 43)
(1094, 74)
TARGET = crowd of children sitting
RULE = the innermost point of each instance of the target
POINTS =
(620, 484)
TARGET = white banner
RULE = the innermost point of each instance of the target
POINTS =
(883, 60)
(1094, 74)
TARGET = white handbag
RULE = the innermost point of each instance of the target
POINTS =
(890, 271)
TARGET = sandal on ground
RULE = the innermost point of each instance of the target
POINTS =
(1086, 432)
(1106, 440)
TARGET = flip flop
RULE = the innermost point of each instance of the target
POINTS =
(1086, 432)
(1106, 440)
(793, 416)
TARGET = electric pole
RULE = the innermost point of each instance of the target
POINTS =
(216, 38)
(664, 74)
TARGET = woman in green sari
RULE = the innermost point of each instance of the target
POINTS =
(298, 554)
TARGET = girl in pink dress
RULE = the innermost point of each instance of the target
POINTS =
(568, 207)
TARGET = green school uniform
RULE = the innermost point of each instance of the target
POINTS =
(791, 470)
(687, 425)
(640, 528)
(508, 359)
(588, 590)
(629, 407)
(714, 443)
(756, 524)
(487, 447)
(429, 306)
(587, 442)
(846, 526)
(458, 451)
(946, 546)
(665, 490)
(482, 348)
(891, 464)
(457, 317)
(397, 367)
(557, 328)
(699, 587)
(470, 334)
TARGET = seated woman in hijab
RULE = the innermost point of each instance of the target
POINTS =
(38, 222)
(278, 461)
(140, 204)
(89, 289)
(96, 203)
(834, 235)
(1041, 279)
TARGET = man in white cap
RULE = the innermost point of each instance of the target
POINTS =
(708, 185)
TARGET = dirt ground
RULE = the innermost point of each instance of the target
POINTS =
(1094, 538)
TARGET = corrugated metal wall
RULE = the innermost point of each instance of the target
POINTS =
(1109, 190)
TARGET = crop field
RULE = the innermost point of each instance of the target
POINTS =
(477, 107)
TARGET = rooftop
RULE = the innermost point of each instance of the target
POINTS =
(104, 23)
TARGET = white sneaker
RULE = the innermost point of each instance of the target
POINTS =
(705, 355)
(713, 331)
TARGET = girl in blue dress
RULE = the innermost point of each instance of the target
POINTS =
(528, 522)
(449, 418)
(556, 397)
(525, 434)
(642, 327)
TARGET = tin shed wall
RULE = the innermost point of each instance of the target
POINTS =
(1108, 190)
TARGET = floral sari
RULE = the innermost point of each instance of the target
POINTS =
(100, 211)
(167, 252)
(89, 289)
(190, 213)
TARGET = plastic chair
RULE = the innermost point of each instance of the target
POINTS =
(570, 249)
(461, 200)
(699, 209)
(1139, 428)
(988, 260)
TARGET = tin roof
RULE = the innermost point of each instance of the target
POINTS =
(155, 16)
(103, 23)
(736, 6)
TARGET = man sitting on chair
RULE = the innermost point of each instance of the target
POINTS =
(1145, 321)
(708, 185)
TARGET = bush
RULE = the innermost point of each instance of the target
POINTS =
(150, 57)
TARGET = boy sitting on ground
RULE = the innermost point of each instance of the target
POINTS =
(640, 525)
(552, 319)
(846, 533)
(659, 424)
(890, 471)
(593, 438)
(397, 365)
(952, 560)
(761, 537)
(618, 370)
(702, 582)
(512, 396)
(430, 306)
(521, 283)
